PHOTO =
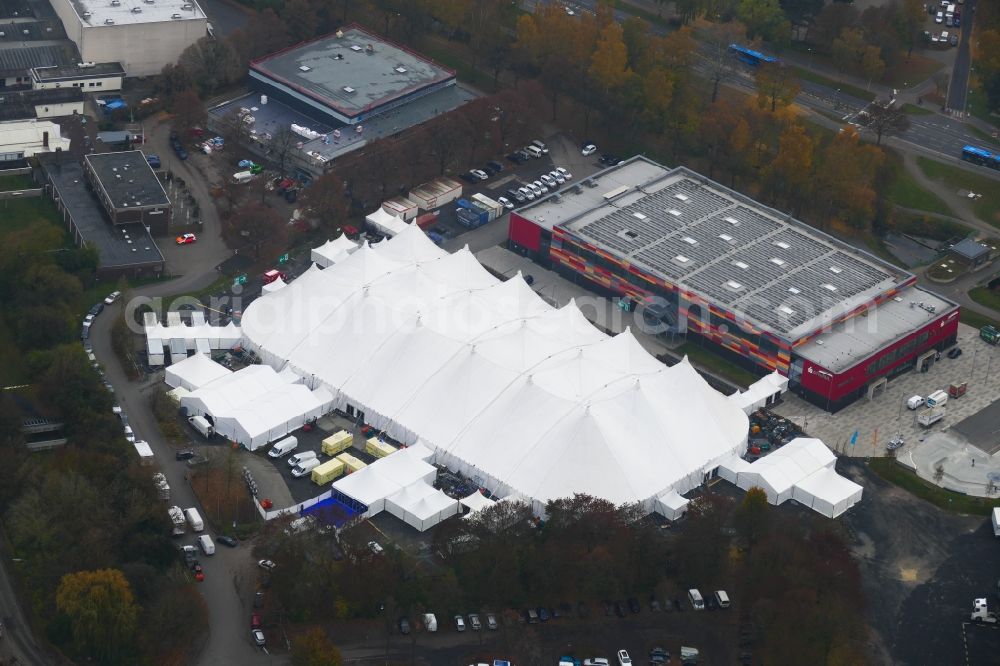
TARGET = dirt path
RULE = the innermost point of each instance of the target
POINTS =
(959, 205)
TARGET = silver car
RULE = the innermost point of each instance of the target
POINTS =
(549, 181)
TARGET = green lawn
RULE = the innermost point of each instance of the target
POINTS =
(976, 320)
(908, 193)
(987, 207)
(985, 137)
(896, 474)
(716, 364)
(976, 105)
(20, 213)
(809, 75)
(915, 110)
(928, 227)
(985, 296)
(16, 182)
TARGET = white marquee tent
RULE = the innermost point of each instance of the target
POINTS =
(761, 393)
(476, 502)
(420, 505)
(433, 347)
(671, 505)
(181, 338)
(385, 477)
(827, 492)
(386, 223)
(194, 372)
(333, 251)
(273, 286)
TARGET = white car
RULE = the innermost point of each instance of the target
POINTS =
(588, 150)
(459, 623)
(596, 661)
(266, 565)
(623, 658)
(112, 297)
(535, 188)
(939, 17)
(541, 186)
(258, 637)
(526, 193)
(505, 202)
(558, 177)
(375, 547)
(129, 435)
(549, 181)
(88, 319)
(480, 174)
(564, 173)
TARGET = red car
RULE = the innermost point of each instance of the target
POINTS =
(255, 621)
(273, 275)
(185, 239)
(350, 231)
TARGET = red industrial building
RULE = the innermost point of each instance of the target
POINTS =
(757, 285)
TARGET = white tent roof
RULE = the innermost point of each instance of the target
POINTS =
(387, 223)
(273, 286)
(143, 449)
(333, 251)
(671, 505)
(476, 502)
(404, 328)
(757, 393)
(194, 372)
(827, 492)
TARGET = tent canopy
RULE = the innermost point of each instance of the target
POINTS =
(194, 372)
(433, 347)
(476, 502)
(333, 251)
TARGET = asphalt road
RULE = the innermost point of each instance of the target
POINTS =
(958, 89)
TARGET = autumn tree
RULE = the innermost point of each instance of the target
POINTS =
(260, 227)
(326, 201)
(776, 85)
(848, 49)
(752, 515)
(789, 177)
(188, 110)
(884, 118)
(872, 65)
(212, 63)
(314, 648)
(843, 188)
(765, 19)
(987, 52)
(300, 19)
(721, 63)
(263, 33)
(101, 612)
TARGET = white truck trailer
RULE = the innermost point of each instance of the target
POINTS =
(930, 416)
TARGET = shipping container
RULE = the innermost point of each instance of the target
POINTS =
(436, 193)
(351, 464)
(401, 207)
(471, 219)
(327, 472)
(337, 442)
(495, 208)
(427, 220)
(374, 447)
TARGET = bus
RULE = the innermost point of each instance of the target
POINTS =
(749, 56)
(982, 157)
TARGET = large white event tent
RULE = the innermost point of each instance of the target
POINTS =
(803, 470)
(257, 405)
(181, 338)
(333, 251)
(386, 477)
(194, 372)
(522, 397)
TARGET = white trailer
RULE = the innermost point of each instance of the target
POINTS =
(201, 424)
(996, 521)
(930, 416)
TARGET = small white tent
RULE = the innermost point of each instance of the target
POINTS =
(385, 223)
(194, 372)
(476, 502)
(827, 492)
(671, 505)
(273, 286)
(333, 251)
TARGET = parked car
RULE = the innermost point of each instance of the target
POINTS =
(954, 352)
(505, 202)
(491, 621)
(531, 616)
(475, 622)
(527, 193)
(97, 309)
(469, 178)
(184, 454)
(565, 174)
(939, 17)
(953, 40)
(549, 181)
(228, 540)
(258, 600)
(153, 160)
(556, 176)
(516, 195)
(258, 637)
(543, 614)
(112, 297)
(633, 605)
(623, 658)
(596, 661)
(619, 609)
(480, 174)
(186, 239)
(404, 626)
(375, 547)
(515, 157)
(459, 623)
(255, 621)
(654, 605)
(542, 187)
(266, 565)
(588, 150)
(659, 655)
(537, 143)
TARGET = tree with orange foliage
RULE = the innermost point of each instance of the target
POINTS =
(789, 177)
(843, 187)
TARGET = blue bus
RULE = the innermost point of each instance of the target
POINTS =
(982, 157)
(749, 56)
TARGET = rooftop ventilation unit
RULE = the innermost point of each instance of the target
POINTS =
(305, 68)
(176, 16)
(109, 21)
(576, 188)
(187, 6)
(776, 261)
(349, 90)
(590, 182)
(369, 49)
(681, 259)
(618, 191)
(741, 264)
(627, 234)
(836, 269)
(401, 70)
(784, 309)
(726, 237)
(674, 212)
(137, 10)
(355, 48)
(794, 290)
(681, 197)
(829, 287)
(733, 285)
(116, 3)
(732, 220)
(689, 240)
(639, 216)
(782, 244)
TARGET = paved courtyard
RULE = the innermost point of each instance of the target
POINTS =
(876, 421)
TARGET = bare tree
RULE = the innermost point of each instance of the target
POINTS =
(721, 63)
(884, 118)
(280, 148)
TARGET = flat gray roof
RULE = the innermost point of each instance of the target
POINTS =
(118, 246)
(274, 116)
(96, 13)
(858, 338)
(17, 57)
(128, 179)
(74, 71)
(351, 71)
(970, 249)
(778, 273)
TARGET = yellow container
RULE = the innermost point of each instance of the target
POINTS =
(327, 472)
(351, 464)
(378, 449)
(337, 442)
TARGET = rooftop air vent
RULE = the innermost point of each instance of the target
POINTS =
(137, 10)
(829, 287)
(794, 290)
(116, 3)
(355, 47)
(726, 237)
(733, 221)
(401, 70)
(681, 259)
(784, 309)
(187, 6)
(689, 240)
(627, 234)
(349, 90)
(86, 15)
(776, 261)
(674, 212)
(681, 197)
(305, 68)
(611, 194)
(733, 285)
(176, 16)
(639, 216)
(109, 21)
(782, 244)
(741, 264)
(836, 269)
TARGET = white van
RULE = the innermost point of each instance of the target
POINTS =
(284, 447)
(722, 599)
(206, 544)
(304, 467)
(194, 519)
(300, 457)
(241, 177)
(915, 402)
(534, 151)
(697, 602)
(937, 399)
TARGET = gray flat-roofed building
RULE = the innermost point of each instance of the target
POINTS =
(124, 249)
(348, 76)
(52, 103)
(17, 59)
(128, 189)
(90, 76)
(970, 252)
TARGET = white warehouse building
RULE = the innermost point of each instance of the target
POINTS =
(143, 35)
